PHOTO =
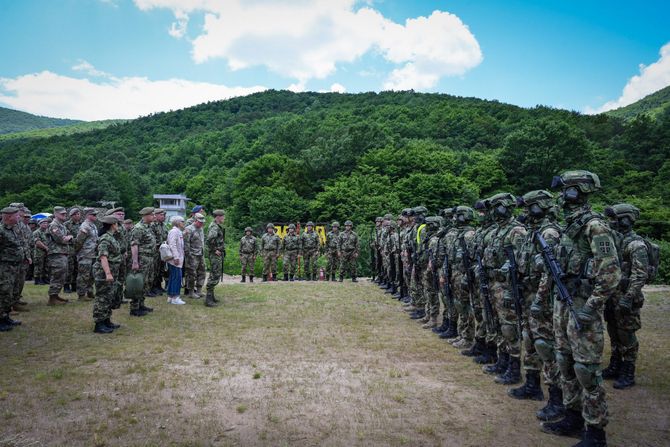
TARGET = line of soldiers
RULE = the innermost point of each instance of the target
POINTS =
(528, 293)
(341, 250)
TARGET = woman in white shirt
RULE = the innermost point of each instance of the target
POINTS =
(175, 240)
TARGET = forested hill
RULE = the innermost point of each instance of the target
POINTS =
(652, 105)
(15, 121)
(278, 155)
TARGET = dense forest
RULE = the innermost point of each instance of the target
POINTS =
(16, 121)
(284, 156)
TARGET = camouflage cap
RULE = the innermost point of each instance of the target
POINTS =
(159, 211)
(18, 205)
(270, 225)
(291, 227)
(59, 210)
(379, 219)
(586, 181)
(248, 229)
(147, 210)
(309, 224)
(199, 217)
(335, 224)
(27, 211)
(74, 211)
(623, 209)
(348, 223)
(218, 213)
(109, 220)
(118, 209)
(504, 199)
(10, 210)
(88, 211)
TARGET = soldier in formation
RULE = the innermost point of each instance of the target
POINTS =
(40, 251)
(332, 258)
(248, 252)
(310, 247)
(348, 251)
(270, 246)
(290, 247)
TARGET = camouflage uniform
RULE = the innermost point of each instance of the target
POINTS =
(348, 247)
(420, 264)
(430, 274)
(270, 244)
(290, 246)
(194, 265)
(144, 239)
(72, 264)
(309, 247)
(40, 272)
(332, 258)
(216, 240)
(248, 251)
(85, 248)
(57, 259)
(105, 297)
(11, 257)
(462, 289)
(160, 267)
(446, 248)
(123, 238)
(26, 235)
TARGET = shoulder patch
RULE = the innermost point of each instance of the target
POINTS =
(604, 246)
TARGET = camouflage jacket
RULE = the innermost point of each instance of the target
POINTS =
(248, 245)
(194, 241)
(57, 244)
(86, 241)
(531, 263)
(291, 242)
(270, 242)
(348, 242)
(108, 246)
(464, 250)
(331, 241)
(39, 235)
(634, 259)
(510, 233)
(26, 236)
(309, 241)
(12, 249)
(160, 232)
(216, 238)
(144, 238)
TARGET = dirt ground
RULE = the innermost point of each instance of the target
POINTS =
(283, 364)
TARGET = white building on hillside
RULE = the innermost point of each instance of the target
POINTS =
(173, 204)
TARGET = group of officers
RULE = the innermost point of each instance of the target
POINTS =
(531, 291)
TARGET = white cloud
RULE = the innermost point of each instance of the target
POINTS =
(89, 69)
(50, 94)
(651, 79)
(337, 88)
(306, 39)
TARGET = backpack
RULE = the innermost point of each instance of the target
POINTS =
(654, 254)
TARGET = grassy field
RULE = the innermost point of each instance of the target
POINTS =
(282, 364)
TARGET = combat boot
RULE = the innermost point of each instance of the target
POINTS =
(332, 277)
(90, 294)
(425, 318)
(418, 314)
(353, 279)
(146, 309)
(187, 292)
(138, 312)
(102, 328)
(209, 299)
(451, 332)
(572, 425)
(108, 323)
(265, 278)
(431, 323)
(251, 278)
(67, 289)
(490, 355)
(292, 278)
(500, 366)
(530, 390)
(244, 279)
(593, 437)
(55, 300)
(554, 408)
(476, 349)
(512, 374)
(626, 376)
(612, 370)
(443, 327)
(8, 320)
(5, 327)
(286, 277)
(341, 278)
(464, 343)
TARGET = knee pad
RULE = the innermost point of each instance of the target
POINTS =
(509, 332)
(545, 350)
(587, 375)
(565, 365)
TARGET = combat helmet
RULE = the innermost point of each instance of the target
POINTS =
(350, 223)
(587, 182)
(335, 224)
(309, 224)
(270, 225)
(504, 198)
(291, 227)
(248, 229)
(420, 210)
(623, 210)
(544, 199)
(467, 213)
(434, 221)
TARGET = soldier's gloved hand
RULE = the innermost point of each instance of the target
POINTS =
(626, 304)
(587, 315)
(536, 309)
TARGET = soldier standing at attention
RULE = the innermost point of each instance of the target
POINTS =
(60, 241)
(463, 289)
(216, 250)
(622, 311)
(23, 229)
(248, 251)
(40, 251)
(332, 260)
(374, 248)
(430, 274)
(106, 272)
(588, 255)
(122, 235)
(11, 256)
(270, 250)
(194, 251)
(72, 226)
(348, 251)
(309, 247)
(160, 233)
(142, 247)
(85, 250)
(290, 247)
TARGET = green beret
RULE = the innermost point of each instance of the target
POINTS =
(118, 209)
(159, 211)
(59, 210)
(218, 213)
(10, 210)
(74, 211)
(88, 211)
(109, 220)
(147, 210)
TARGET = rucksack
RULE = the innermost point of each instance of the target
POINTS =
(654, 254)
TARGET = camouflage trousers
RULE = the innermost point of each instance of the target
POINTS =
(432, 302)
(84, 276)
(622, 328)
(105, 294)
(270, 263)
(542, 328)
(215, 268)
(72, 266)
(531, 358)
(386, 266)
(58, 269)
(20, 281)
(247, 260)
(194, 266)
(332, 263)
(579, 354)
(121, 280)
(478, 312)
(9, 272)
(466, 321)
(160, 272)
(147, 269)
(416, 286)
(311, 258)
(290, 262)
(509, 339)
(40, 264)
(348, 264)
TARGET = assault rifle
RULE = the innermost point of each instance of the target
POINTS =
(485, 291)
(516, 292)
(448, 293)
(468, 268)
(433, 263)
(557, 274)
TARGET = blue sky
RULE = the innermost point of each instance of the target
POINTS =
(96, 59)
